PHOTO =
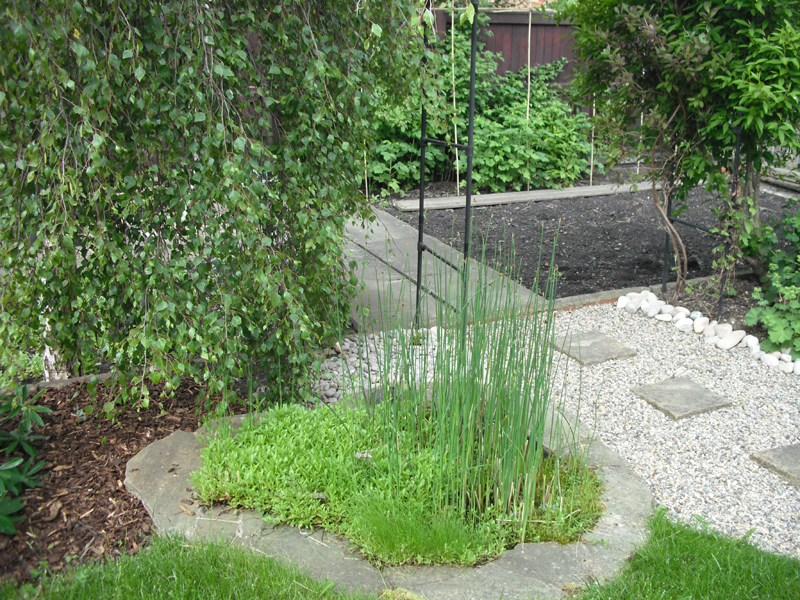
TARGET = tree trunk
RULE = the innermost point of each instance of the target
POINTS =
(752, 189)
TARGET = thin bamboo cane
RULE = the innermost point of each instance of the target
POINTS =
(528, 103)
(366, 176)
(591, 160)
(453, 75)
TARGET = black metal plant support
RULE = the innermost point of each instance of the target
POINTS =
(422, 247)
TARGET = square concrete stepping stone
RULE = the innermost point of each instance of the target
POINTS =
(783, 461)
(679, 398)
(592, 347)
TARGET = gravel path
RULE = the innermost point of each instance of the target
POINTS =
(698, 467)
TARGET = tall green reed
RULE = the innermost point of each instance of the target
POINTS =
(479, 393)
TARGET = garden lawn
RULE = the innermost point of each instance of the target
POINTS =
(677, 561)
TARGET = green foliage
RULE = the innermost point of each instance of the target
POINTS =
(684, 561)
(175, 178)
(779, 301)
(698, 72)
(300, 467)
(547, 150)
(18, 415)
(19, 365)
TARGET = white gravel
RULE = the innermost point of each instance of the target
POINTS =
(698, 467)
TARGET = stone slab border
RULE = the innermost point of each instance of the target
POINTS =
(159, 477)
(584, 191)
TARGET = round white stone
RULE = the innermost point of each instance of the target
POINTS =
(786, 367)
(663, 317)
(787, 358)
(684, 310)
(684, 325)
(770, 360)
(710, 330)
(644, 305)
(723, 329)
(622, 301)
(700, 324)
(632, 306)
(667, 308)
(652, 311)
(751, 341)
(731, 340)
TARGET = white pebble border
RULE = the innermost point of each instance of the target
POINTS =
(696, 466)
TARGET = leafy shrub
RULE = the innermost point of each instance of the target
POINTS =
(779, 300)
(548, 150)
(18, 415)
(175, 178)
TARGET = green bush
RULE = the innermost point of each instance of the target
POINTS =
(18, 415)
(779, 299)
(175, 178)
(511, 152)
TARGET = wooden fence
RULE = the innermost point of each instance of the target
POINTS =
(549, 41)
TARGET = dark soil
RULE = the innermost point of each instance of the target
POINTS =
(83, 511)
(603, 243)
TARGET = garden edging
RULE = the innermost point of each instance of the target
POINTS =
(159, 477)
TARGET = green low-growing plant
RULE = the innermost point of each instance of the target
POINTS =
(516, 144)
(18, 415)
(779, 298)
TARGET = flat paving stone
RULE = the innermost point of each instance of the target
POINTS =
(783, 461)
(679, 398)
(592, 347)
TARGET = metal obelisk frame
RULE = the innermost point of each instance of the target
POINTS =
(422, 247)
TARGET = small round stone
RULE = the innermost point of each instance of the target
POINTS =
(622, 301)
(770, 360)
(700, 323)
(664, 317)
(632, 306)
(695, 314)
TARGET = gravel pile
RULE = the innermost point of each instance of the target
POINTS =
(698, 467)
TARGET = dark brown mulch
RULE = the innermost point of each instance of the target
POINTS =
(82, 511)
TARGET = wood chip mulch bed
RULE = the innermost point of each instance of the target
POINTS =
(82, 511)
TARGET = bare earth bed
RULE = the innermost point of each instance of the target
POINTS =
(604, 243)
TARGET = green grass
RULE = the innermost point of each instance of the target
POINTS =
(676, 562)
(692, 562)
(171, 568)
